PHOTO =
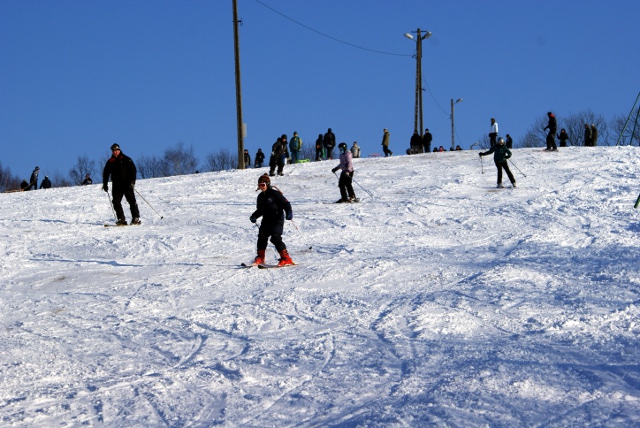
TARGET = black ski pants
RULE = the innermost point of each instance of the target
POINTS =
(131, 199)
(346, 188)
(505, 166)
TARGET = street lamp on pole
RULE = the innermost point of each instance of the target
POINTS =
(452, 127)
(418, 107)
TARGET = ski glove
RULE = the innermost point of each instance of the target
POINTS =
(334, 170)
(289, 215)
(253, 219)
(105, 187)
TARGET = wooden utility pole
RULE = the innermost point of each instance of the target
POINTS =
(236, 39)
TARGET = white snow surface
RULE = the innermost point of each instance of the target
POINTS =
(438, 301)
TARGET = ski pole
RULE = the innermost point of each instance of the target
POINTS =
(161, 217)
(516, 167)
(301, 235)
(481, 164)
(637, 202)
(111, 205)
(353, 180)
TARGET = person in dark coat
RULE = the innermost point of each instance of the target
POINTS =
(509, 142)
(123, 172)
(587, 135)
(563, 137)
(24, 185)
(46, 183)
(329, 141)
(273, 207)
(33, 181)
(279, 153)
(551, 136)
(87, 180)
(320, 148)
(415, 143)
(426, 141)
(594, 135)
(500, 155)
(259, 158)
(247, 158)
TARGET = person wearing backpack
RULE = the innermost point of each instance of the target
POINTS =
(329, 141)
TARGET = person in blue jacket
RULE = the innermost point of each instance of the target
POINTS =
(500, 155)
(273, 207)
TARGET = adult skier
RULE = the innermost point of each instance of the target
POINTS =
(123, 180)
(500, 155)
(346, 176)
(273, 207)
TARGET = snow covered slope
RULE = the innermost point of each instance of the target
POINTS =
(438, 301)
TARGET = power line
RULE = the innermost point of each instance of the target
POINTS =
(327, 35)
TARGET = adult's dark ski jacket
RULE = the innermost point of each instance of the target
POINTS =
(122, 171)
(500, 153)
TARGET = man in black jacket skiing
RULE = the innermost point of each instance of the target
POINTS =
(123, 180)
(273, 207)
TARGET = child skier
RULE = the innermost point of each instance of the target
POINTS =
(346, 176)
(500, 155)
(273, 207)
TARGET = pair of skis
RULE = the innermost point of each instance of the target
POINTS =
(262, 266)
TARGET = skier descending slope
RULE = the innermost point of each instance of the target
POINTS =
(272, 206)
(500, 155)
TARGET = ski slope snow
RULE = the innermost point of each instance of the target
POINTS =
(437, 301)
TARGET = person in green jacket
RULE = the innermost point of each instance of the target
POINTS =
(500, 155)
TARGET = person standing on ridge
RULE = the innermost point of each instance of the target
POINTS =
(346, 176)
(385, 143)
(551, 136)
(273, 207)
(87, 180)
(123, 180)
(594, 135)
(493, 132)
(509, 142)
(33, 182)
(295, 145)
(247, 159)
(46, 183)
(500, 155)
(319, 148)
(329, 141)
(563, 137)
(355, 150)
(587, 135)
(259, 158)
(426, 141)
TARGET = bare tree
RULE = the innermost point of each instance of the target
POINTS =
(149, 167)
(179, 160)
(59, 180)
(574, 125)
(8, 181)
(82, 167)
(220, 161)
(626, 130)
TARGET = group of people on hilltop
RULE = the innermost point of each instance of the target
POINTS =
(33, 181)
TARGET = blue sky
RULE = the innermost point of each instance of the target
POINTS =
(77, 76)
